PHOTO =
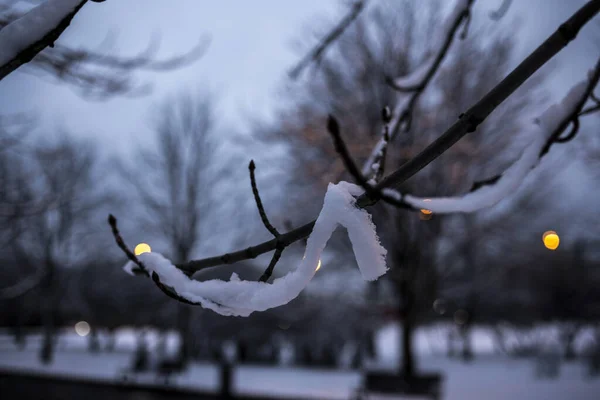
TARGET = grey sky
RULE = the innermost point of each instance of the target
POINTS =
(246, 61)
(249, 50)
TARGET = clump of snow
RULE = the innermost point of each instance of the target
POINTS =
(241, 298)
(512, 178)
(32, 27)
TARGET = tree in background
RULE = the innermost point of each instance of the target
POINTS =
(174, 178)
(350, 83)
(95, 75)
(52, 238)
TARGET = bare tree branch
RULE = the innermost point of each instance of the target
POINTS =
(467, 123)
(403, 111)
(556, 135)
(496, 15)
(380, 158)
(265, 220)
(316, 53)
(259, 204)
(334, 130)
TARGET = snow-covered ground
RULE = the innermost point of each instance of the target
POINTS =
(489, 377)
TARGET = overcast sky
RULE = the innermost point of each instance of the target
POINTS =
(250, 52)
(246, 61)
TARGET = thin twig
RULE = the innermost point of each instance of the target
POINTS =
(269, 271)
(259, 204)
(496, 15)
(112, 221)
(265, 220)
(317, 52)
(556, 135)
(403, 117)
(574, 117)
(169, 291)
(571, 134)
(334, 130)
(386, 116)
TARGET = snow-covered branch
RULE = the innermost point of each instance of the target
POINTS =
(317, 52)
(97, 75)
(419, 77)
(341, 207)
(24, 38)
(241, 298)
(545, 130)
(417, 81)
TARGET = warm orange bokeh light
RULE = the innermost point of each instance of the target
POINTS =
(551, 240)
(142, 248)
(426, 211)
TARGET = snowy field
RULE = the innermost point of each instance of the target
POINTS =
(489, 377)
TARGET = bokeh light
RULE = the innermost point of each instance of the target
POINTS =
(551, 240)
(318, 266)
(82, 328)
(142, 248)
(426, 211)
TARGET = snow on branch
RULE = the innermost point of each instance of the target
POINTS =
(317, 52)
(546, 130)
(419, 76)
(417, 82)
(24, 38)
(496, 15)
(466, 124)
(241, 298)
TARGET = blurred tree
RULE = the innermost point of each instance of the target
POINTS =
(389, 40)
(174, 181)
(52, 238)
(95, 75)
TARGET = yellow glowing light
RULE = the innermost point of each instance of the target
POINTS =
(142, 248)
(551, 240)
(82, 328)
(318, 265)
(426, 211)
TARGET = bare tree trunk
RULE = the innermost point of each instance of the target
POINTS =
(568, 335)
(467, 349)
(48, 310)
(18, 327)
(184, 318)
(93, 341)
(111, 340)
(407, 361)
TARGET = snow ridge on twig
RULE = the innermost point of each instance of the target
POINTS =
(514, 176)
(33, 27)
(241, 298)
